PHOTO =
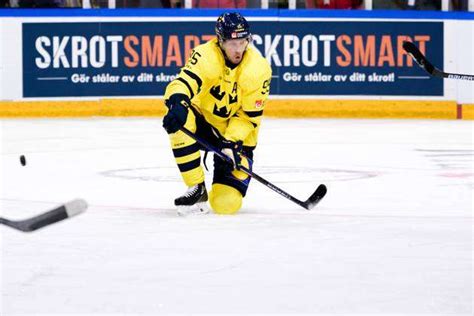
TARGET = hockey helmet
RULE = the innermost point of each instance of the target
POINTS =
(232, 25)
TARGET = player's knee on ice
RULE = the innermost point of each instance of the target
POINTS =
(224, 199)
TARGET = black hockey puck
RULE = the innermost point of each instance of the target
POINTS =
(22, 160)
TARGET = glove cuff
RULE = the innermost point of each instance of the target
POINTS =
(178, 98)
(235, 146)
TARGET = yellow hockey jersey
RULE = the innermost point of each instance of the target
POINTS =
(231, 100)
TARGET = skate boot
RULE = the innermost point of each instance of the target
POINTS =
(193, 202)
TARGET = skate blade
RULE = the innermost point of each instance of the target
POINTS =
(200, 208)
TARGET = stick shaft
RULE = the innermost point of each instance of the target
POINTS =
(249, 172)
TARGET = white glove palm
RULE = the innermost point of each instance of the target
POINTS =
(232, 150)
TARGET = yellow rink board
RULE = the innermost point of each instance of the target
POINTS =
(293, 108)
(468, 111)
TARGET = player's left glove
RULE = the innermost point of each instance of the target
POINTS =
(233, 150)
(178, 105)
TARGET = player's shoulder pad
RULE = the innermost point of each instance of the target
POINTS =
(256, 68)
(202, 49)
(205, 56)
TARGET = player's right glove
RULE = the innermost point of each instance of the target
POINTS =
(177, 104)
(233, 150)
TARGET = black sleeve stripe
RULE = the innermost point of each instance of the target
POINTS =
(187, 85)
(184, 151)
(187, 166)
(195, 77)
(254, 113)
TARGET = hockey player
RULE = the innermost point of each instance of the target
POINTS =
(219, 95)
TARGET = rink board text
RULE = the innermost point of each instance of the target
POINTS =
(307, 57)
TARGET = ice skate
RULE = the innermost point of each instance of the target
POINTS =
(193, 201)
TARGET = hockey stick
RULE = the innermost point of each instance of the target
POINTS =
(57, 214)
(421, 60)
(308, 204)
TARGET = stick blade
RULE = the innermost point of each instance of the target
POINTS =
(66, 210)
(316, 197)
(418, 57)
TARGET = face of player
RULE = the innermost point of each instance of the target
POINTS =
(234, 49)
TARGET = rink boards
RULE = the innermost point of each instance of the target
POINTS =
(325, 63)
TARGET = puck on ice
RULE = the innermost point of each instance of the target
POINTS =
(22, 160)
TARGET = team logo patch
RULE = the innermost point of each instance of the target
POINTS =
(258, 104)
(234, 35)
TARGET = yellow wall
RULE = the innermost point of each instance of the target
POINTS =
(275, 108)
(468, 111)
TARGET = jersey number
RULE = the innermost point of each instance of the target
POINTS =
(266, 87)
(193, 59)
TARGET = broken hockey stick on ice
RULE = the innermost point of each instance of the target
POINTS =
(57, 214)
(308, 204)
(421, 60)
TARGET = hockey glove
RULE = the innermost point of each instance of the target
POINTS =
(177, 104)
(233, 150)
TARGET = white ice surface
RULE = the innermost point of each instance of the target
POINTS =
(394, 234)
